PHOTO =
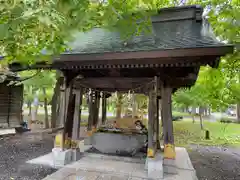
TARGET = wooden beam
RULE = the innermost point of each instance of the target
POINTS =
(157, 54)
(169, 149)
(125, 84)
(81, 63)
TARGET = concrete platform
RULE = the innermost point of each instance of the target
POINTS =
(103, 167)
(7, 131)
(48, 159)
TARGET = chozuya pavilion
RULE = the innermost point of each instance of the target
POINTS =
(170, 57)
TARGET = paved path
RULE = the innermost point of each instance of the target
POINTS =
(103, 167)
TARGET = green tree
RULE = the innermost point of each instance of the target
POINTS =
(142, 104)
(39, 84)
(224, 17)
(182, 99)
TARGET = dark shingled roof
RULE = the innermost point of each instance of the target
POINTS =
(173, 28)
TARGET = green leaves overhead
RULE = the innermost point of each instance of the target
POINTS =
(28, 27)
(40, 79)
(36, 25)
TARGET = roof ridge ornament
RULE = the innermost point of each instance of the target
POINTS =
(199, 13)
(178, 13)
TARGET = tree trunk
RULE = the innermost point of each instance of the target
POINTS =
(29, 108)
(33, 118)
(46, 122)
(193, 119)
(193, 112)
(134, 106)
(119, 105)
(201, 121)
(35, 109)
(55, 103)
(238, 112)
(209, 111)
(201, 110)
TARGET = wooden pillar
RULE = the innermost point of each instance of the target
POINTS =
(62, 103)
(60, 138)
(161, 114)
(77, 114)
(104, 108)
(93, 112)
(151, 150)
(69, 101)
(158, 124)
(70, 116)
(156, 111)
(169, 149)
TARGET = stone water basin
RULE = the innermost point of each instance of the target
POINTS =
(119, 143)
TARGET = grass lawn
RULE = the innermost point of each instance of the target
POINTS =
(41, 117)
(176, 113)
(186, 133)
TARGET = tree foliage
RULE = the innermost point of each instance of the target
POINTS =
(213, 89)
(220, 87)
(36, 80)
(29, 26)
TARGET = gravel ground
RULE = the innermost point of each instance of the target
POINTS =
(16, 150)
(216, 163)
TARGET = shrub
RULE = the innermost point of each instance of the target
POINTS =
(227, 120)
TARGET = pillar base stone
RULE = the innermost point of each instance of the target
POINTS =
(64, 157)
(154, 167)
(61, 157)
(76, 154)
(169, 166)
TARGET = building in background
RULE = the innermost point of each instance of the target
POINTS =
(11, 100)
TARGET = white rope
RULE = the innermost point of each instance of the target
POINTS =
(129, 91)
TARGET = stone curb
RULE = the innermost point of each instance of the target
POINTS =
(45, 131)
